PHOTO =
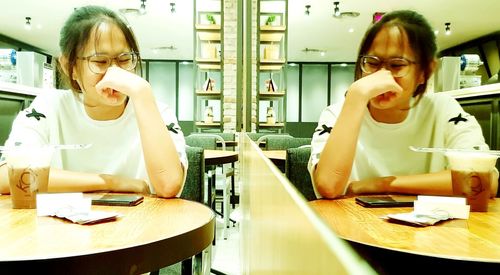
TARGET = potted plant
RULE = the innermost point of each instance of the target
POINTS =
(270, 20)
(211, 19)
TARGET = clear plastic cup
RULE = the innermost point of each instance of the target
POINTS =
(28, 169)
(471, 177)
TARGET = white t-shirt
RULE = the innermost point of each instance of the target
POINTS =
(59, 117)
(437, 120)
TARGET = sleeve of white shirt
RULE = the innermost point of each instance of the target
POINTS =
(326, 121)
(178, 138)
(462, 129)
(31, 125)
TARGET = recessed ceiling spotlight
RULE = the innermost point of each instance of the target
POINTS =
(336, 10)
(142, 9)
(307, 12)
(447, 28)
(351, 30)
(27, 25)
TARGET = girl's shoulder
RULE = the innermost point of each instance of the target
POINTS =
(55, 97)
(438, 98)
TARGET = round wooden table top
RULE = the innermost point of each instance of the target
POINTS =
(149, 236)
(476, 239)
(216, 157)
(278, 155)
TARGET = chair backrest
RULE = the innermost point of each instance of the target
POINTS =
(220, 137)
(296, 170)
(195, 178)
(285, 142)
(205, 142)
(263, 139)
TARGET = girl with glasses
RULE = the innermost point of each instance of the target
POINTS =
(361, 145)
(136, 142)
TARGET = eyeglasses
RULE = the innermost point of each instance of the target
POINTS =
(398, 66)
(99, 63)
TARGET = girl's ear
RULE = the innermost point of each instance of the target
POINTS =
(63, 61)
(432, 67)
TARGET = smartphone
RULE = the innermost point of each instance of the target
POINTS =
(385, 201)
(118, 200)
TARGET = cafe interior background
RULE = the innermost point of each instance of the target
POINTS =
(225, 69)
(307, 53)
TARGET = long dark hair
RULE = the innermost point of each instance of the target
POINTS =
(420, 36)
(76, 33)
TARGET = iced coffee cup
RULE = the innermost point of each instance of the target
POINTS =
(471, 175)
(28, 169)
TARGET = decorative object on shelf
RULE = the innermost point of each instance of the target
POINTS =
(271, 116)
(469, 65)
(272, 52)
(8, 69)
(270, 20)
(270, 85)
(209, 115)
(172, 7)
(211, 19)
(208, 50)
(209, 85)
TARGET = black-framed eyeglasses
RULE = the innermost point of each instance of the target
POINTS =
(99, 63)
(399, 66)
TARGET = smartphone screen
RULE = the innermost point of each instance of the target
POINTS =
(385, 201)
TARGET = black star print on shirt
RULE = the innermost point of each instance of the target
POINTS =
(173, 128)
(326, 129)
(35, 114)
(457, 119)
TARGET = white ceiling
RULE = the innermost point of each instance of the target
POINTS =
(161, 28)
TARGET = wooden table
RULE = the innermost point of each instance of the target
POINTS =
(217, 157)
(149, 236)
(474, 242)
(278, 157)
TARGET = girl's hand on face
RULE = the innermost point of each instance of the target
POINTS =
(118, 81)
(380, 85)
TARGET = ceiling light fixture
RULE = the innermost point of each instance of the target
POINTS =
(172, 7)
(309, 50)
(27, 25)
(171, 48)
(307, 12)
(142, 9)
(447, 29)
(336, 10)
